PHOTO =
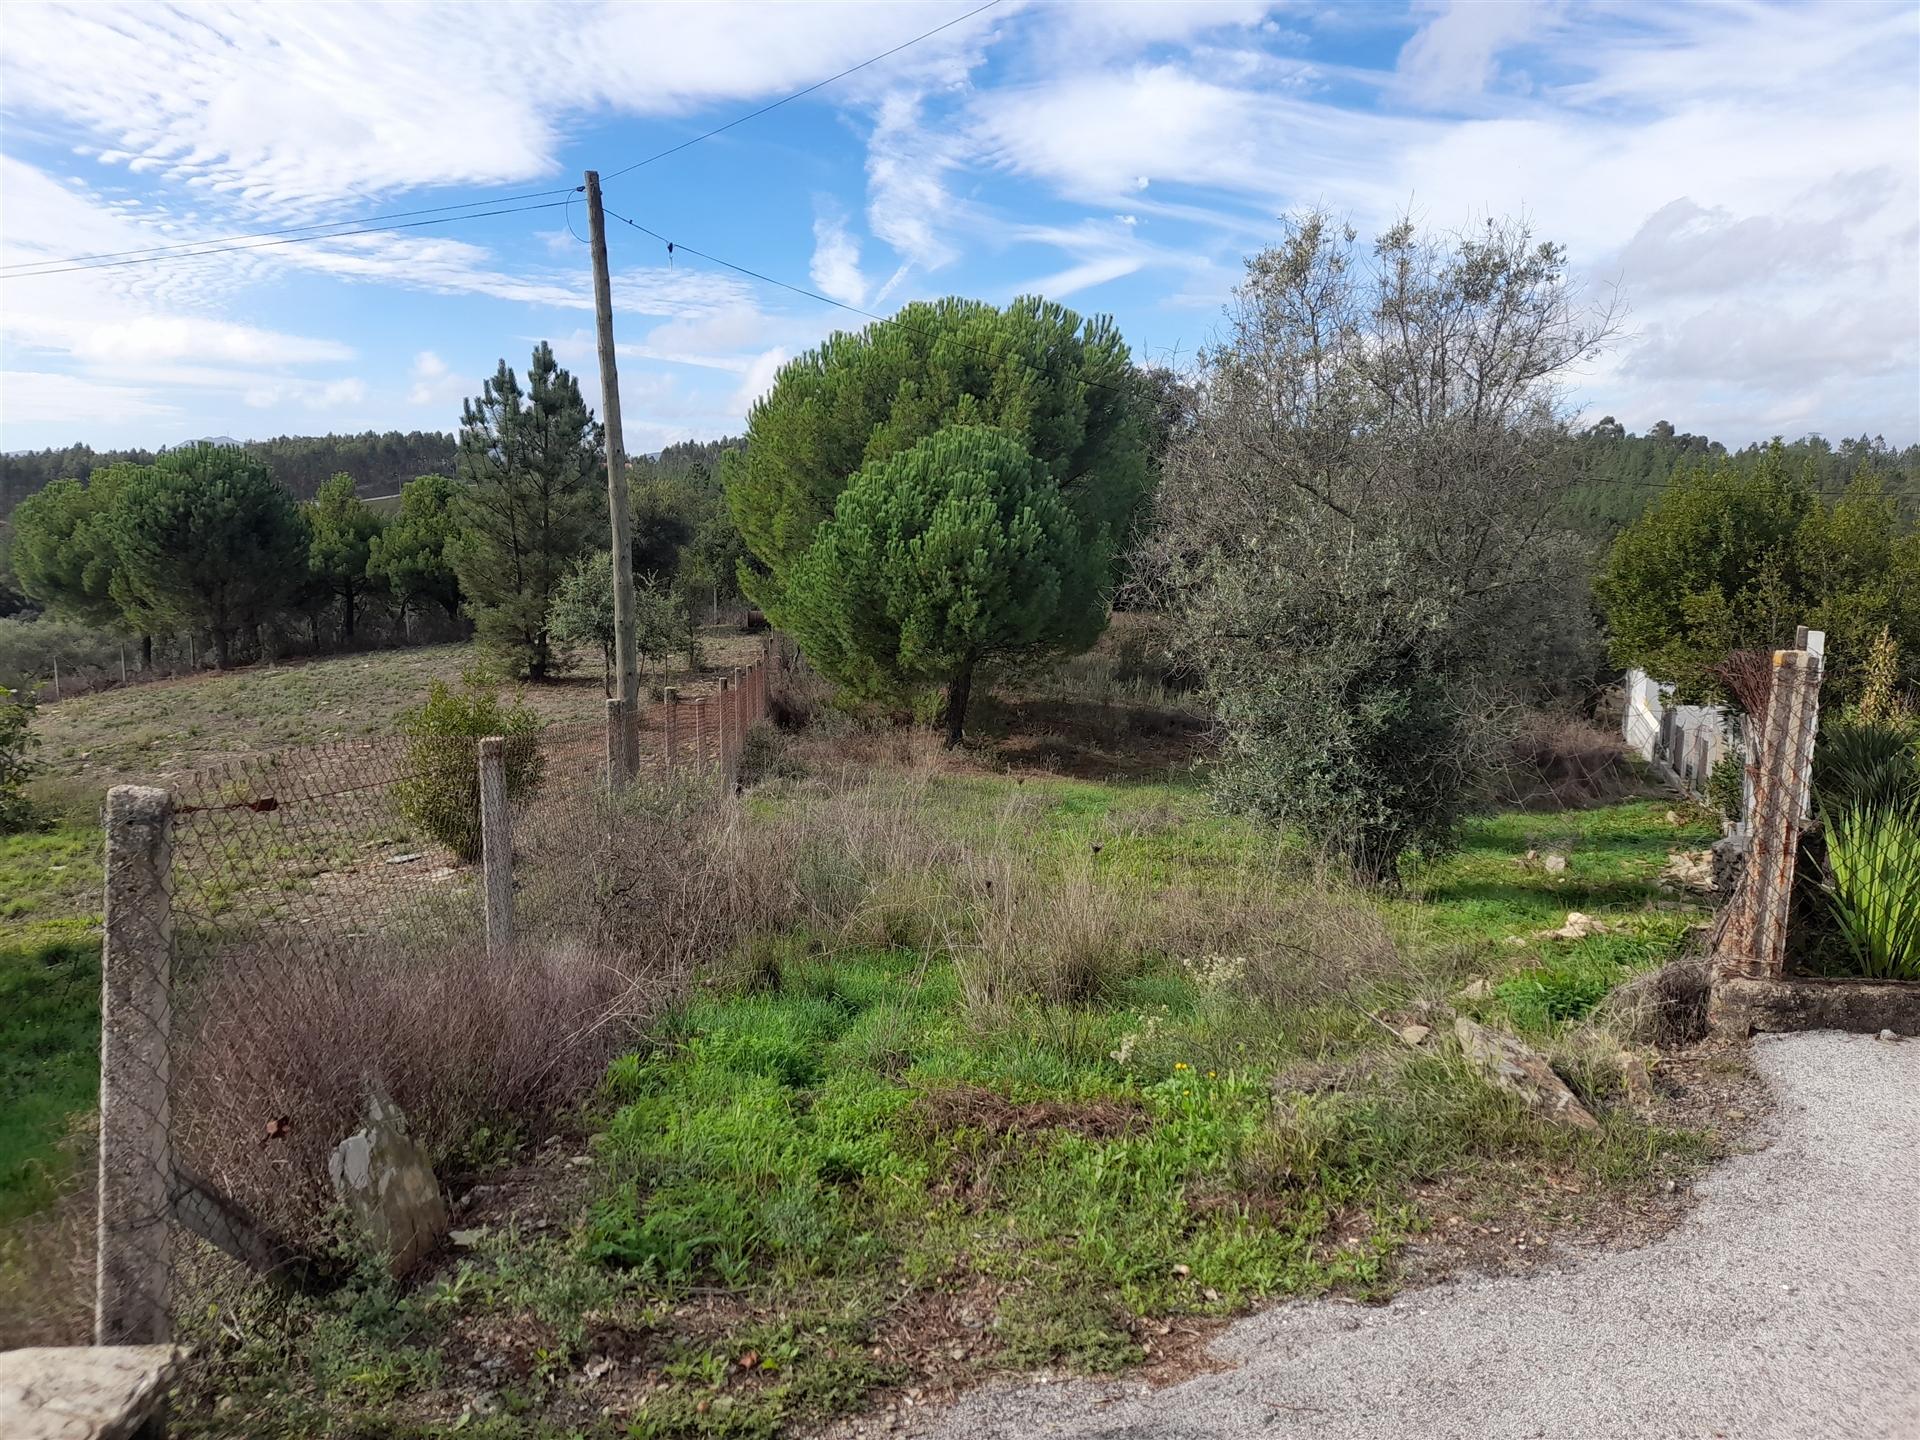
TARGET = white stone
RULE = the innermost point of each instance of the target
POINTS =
(386, 1181)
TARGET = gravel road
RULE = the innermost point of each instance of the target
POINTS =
(1785, 1306)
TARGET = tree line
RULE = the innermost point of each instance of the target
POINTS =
(379, 462)
(211, 539)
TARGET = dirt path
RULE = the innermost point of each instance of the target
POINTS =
(1785, 1307)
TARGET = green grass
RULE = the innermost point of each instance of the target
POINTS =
(50, 885)
(49, 1063)
(830, 1136)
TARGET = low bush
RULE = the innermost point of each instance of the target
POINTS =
(30, 649)
(441, 793)
(1873, 856)
(1563, 762)
(17, 744)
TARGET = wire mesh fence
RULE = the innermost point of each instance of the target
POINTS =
(288, 935)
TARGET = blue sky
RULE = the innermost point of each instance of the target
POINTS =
(1746, 178)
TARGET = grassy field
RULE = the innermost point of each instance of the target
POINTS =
(144, 731)
(50, 879)
(1085, 1068)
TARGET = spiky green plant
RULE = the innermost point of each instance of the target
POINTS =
(1873, 856)
(1863, 764)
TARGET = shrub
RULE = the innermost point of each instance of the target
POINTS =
(1563, 761)
(1727, 785)
(441, 794)
(1873, 857)
(1861, 763)
(29, 649)
(17, 743)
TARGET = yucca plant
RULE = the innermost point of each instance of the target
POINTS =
(1866, 764)
(1873, 860)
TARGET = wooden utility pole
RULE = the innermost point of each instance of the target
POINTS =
(626, 654)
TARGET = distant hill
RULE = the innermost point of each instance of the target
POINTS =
(380, 463)
(1622, 473)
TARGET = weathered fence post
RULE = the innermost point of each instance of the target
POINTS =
(618, 771)
(134, 1271)
(669, 732)
(1753, 941)
(727, 735)
(700, 736)
(496, 845)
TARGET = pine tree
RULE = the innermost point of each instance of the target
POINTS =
(409, 555)
(207, 537)
(530, 509)
(1064, 388)
(342, 531)
(945, 558)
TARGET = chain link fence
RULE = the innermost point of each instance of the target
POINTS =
(288, 935)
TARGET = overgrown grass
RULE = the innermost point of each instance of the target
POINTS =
(49, 1062)
(1023, 1072)
(143, 731)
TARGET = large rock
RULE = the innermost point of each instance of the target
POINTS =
(384, 1178)
(83, 1392)
(1514, 1068)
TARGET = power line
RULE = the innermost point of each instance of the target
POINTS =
(80, 261)
(801, 94)
(674, 247)
(291, 240)
(369, 224)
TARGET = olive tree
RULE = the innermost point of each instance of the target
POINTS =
(1355, 536)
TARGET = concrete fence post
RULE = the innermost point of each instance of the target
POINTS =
(1753, 940)
(496, 845)
(618, 770)
(670, 732)
(134, 1268)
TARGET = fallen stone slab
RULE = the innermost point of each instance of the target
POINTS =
(385, 1179)
(83, 1392)
(1512, 1067)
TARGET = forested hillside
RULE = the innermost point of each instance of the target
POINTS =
(1623, 472)
(380, 463)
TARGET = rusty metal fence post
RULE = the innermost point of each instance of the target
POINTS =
(1753, 939)
(496, 845)
(134, 1269)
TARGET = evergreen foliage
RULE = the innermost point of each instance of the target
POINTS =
(206, 537)
(408, 557)
(531, 507)
(583, 614)
(17, 744)
(63, 550)
(1062, 388)
(1356, 542)
(957, 553)
(1734, 556)
(378, 462)
(441, 791)
(342, 532)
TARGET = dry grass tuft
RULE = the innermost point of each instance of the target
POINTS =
(1562, 762)
(990, 1113)
(1063, 939)
(1665, 1007)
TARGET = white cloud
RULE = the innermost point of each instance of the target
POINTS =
(1455, 54)
(311, 105)
(836, 259)
(45, 397)
(758, 379)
